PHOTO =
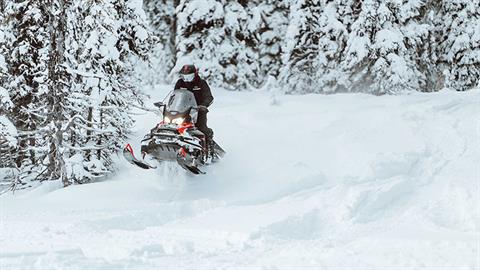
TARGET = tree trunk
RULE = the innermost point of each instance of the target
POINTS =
(173, 31)
(89, 132)
(99, 141)
(57, 28)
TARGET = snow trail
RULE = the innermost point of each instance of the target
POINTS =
(315, 181)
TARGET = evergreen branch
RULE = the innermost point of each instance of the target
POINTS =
(84, 148)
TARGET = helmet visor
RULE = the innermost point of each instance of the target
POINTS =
(187, 77)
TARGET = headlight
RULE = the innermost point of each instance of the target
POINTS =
(178, 121)
(166, 120)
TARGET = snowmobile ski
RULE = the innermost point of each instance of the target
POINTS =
(191, 169)
(130, 157)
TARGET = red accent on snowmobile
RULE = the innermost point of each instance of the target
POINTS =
(128, 155)
(184, 127)
(183, 152)
(130, 149)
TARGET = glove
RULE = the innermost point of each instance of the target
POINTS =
(202, 108)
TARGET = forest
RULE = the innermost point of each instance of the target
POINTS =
(71, 72)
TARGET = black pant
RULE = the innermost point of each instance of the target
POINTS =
(202, 125)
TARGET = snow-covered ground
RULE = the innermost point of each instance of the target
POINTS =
(346, 181)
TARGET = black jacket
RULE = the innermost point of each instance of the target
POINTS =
(200, 88)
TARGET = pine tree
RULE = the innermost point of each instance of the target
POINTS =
(58, 83)
(8, 132)
(268, 21)
(162, 19)
(394, 70)
(69, 70)
(459, 43)
(420, 38)
(217, 41)
(101, 61)
(93, 61)
(348, 12)
(5, 101)
(301, 48)
(26, 49)
(381, 51)
(315, 40)
(332, 39)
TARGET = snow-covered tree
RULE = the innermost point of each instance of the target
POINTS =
(93, 60)
(58, 83)
(382, 47)
(331, 43)
(162, 19)
(394, 70)
(100, 58)
(68, 75)
(348, 12)
(301, 47)
(314, 43)
(268, 21)
(213, 34)
(459, 43)
(5, 101)
(417, 25)
(8, 132)
(8, 142)
(25, 51)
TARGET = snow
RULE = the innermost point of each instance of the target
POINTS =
(5, 98)
(3, 64)
(315, 181)
(388, 40)
(8, 132)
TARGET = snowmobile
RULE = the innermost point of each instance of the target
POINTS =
(176, 138)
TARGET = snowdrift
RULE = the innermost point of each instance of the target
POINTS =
(316, 181)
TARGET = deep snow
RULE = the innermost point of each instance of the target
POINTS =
(316, 181)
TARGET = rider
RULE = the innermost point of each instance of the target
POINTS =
(190, 80)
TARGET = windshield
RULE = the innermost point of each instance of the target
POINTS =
(181, 101)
